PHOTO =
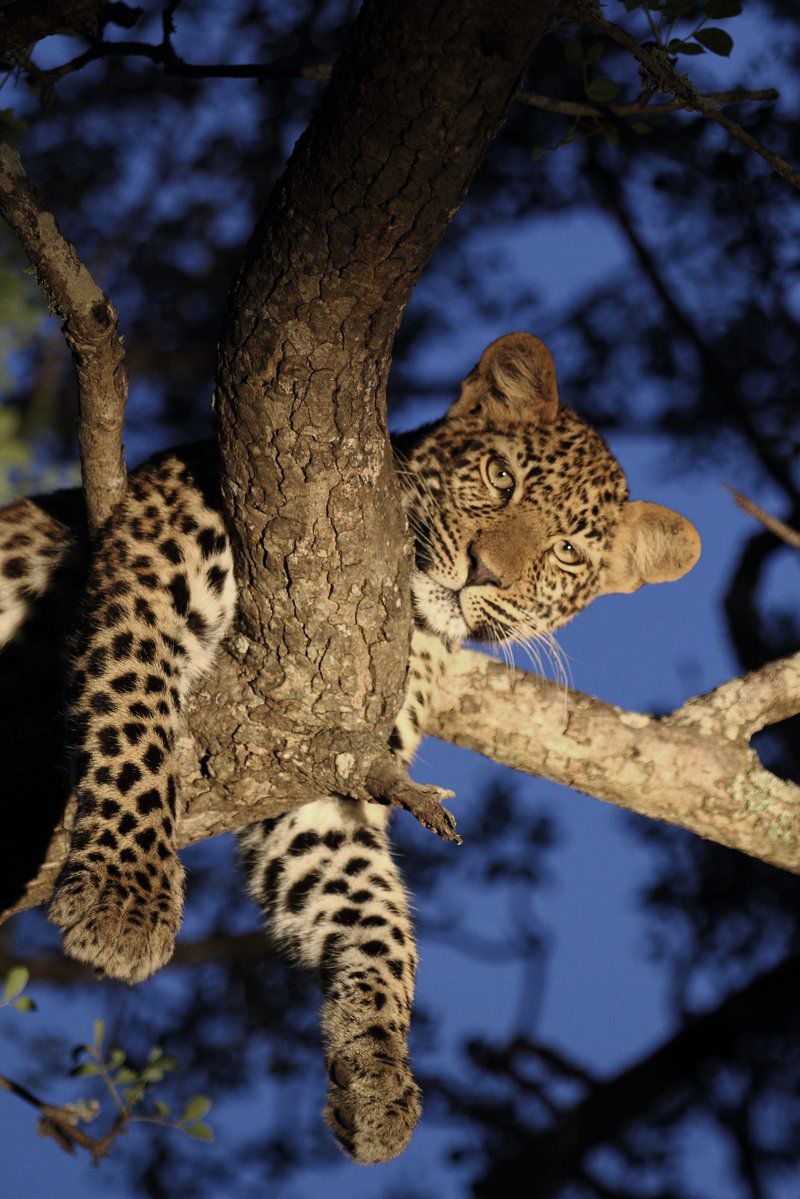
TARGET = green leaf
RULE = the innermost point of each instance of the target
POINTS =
(86, 1070)
(125, 1075)
(196, 1108)
(155, 1053)
(641, 127)
(152, 1074)
(573, 51)
(678, 47)
(161, 1108)
(715, 40)
(116, 1058)
(16, 982)
(99, 1031)
(594, 54)
(24, 1004)
(168, 1062)
(719, 9)
(201, 1132)
(602, 88)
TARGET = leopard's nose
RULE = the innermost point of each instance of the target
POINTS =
(479, 574)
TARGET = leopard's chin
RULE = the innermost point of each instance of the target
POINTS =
(437, 609)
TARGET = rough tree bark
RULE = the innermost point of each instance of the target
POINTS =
(301, 396)
(90, 327)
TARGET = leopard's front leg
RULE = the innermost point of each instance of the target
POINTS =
(159, 598)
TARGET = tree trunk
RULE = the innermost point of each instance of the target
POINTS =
(323, 560)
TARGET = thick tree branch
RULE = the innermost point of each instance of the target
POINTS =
(692, 768)
(307, 476)
(90, 329)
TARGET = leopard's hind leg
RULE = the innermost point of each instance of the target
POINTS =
(325, 877)
(159, 598)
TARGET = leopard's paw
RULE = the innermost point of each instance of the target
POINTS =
(373, 1101)
(122, 923)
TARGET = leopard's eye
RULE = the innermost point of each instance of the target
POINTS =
(566, 553)
(499, 476)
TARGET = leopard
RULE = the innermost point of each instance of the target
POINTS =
(519, 516)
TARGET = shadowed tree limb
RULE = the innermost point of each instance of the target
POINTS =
(610, 1105)
(24, 22)
(89, 323)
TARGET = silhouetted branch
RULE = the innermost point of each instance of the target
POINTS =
(660, 70)
(643, 106)
(609, 1105)
(24, 22)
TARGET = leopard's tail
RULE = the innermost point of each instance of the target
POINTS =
(35, 548)
(325, 878)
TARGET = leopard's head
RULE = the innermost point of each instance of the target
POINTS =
(519, 511)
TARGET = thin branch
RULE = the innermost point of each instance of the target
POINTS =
(387, 782)
(716, 372)
(172, 65)
(643, 106)
(778, 527)
(164, 55)
(741, 708)
(659, 67)
(90, 328)
(61, 1123)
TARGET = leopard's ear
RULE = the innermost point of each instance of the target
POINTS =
(651, 545)
(516, 377)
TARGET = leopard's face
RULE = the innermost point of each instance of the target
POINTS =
(519, 511)
(511, 526)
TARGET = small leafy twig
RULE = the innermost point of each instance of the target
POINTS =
(659, 70)
(127, 1086)
(15, 983)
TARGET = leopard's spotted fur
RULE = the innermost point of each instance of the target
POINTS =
(520, 517)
